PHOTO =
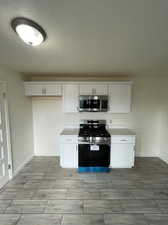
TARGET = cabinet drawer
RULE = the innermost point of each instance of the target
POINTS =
(69, 139)
(123, 139)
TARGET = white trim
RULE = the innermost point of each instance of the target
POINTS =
(165, 160)
(4, 182)
(8, 135)
(76, 82)
(22, 165)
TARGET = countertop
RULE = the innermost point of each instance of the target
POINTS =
(114, 131)
(70, 132)
(121, 131)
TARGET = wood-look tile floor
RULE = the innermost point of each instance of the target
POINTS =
(45, 194)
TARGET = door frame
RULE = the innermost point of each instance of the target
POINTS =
(7, 126)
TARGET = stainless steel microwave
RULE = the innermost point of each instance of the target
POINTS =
(93, 103)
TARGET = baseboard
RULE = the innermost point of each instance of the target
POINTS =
(2, 184)
(22, 165)
(163, 159)
(147, 156)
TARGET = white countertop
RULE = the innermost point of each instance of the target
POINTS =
(70, 132)
(121, 131)
(114, 131)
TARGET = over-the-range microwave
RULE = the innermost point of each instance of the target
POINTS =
(93, 103)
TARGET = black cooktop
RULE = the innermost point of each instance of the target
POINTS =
(93, 131)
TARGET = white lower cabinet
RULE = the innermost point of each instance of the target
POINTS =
(69, 152)
(122, 152)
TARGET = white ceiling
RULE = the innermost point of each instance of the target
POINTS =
(88, 36)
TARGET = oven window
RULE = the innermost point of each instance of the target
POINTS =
(95, 104)
(84, 104)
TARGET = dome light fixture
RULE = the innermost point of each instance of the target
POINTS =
(29, 31)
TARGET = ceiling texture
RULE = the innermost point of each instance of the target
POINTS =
(88, 36)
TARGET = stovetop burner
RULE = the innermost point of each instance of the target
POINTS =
(93, 131)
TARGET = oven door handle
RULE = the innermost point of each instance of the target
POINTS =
(94, 143)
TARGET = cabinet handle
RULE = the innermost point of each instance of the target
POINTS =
(124, 140)
(76, 147)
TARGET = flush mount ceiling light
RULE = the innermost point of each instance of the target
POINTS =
(29, 31)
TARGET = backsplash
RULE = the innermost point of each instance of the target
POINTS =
(112, 120)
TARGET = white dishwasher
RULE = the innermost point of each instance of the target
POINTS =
(122, 151)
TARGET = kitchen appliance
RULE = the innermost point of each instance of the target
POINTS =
(93, 103)
(94, 143)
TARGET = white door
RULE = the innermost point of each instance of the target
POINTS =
(94, 89)
(35, 90)
(53, 90)
(122, 155)
(4, 172)
(70, 98)
(69, 155)
(120, 98)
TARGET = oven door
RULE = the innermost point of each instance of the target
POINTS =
(94, 155)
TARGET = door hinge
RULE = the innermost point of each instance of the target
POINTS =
(9, 167)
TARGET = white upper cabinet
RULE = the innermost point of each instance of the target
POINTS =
(54, 90)
(120, 98)
(42, 89)
(95, 89)
(34, 90)
(70, 98)
(119, 93)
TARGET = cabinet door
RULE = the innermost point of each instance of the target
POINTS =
(70, 98)
(53, 90)
(93, 89)
(85, 89)
(100, 89)
(69, 155)
(120, 98)
(35, 90)
(122, 155)
(43, 90)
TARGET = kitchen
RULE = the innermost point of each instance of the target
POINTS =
(83, 112)
(114, 97)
